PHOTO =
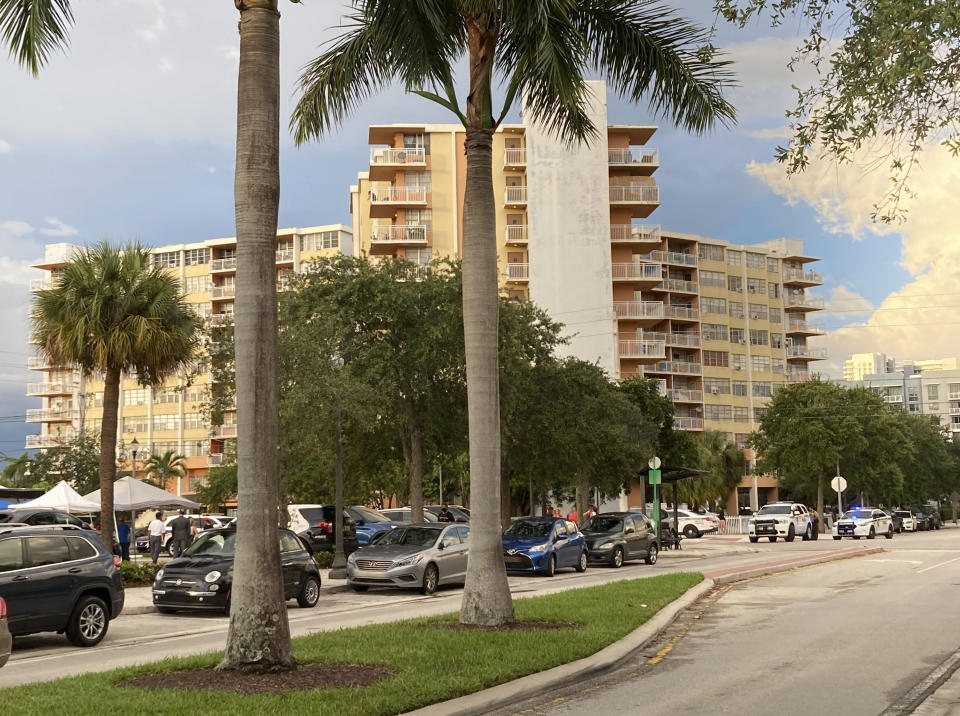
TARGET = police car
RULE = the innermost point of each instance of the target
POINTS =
(863, 522)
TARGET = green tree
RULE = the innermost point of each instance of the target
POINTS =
(540, 50)
(219, 486)
(160, 469)
(725, 465)
(16, 472)
(77, 461)
(892, 79)
(112, 311)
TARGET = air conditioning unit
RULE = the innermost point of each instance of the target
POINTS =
(715, 390)
(742, 341)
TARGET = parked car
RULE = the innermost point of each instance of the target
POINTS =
(780, 519)
(420, 556)
(543, 545)
(201, 522)
(367, 523)
(6, 640)
(615, 537)
(202, 576)
(41, 516)
(896, 520)
(932, 515)
(458, 514)
(316, 524)
(402, 514)
(907, 521)
(863, 522)
(61, 580)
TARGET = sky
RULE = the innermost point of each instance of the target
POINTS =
(129, 134)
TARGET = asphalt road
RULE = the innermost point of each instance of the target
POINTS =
(849, 637)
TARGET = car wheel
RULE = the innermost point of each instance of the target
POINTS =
(617, 560)
(889, 534)
(430, 578)
(309, 592)
(754, 539)
(551, 566)
(808, 534)
(836, 538)
(652, 554)
(873, 534)
(691, 532)
(582, 562)
(88, 623)
(791, 534)
(937, 526)
(359, 587)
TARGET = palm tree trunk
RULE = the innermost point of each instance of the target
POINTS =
(259, 635)
(108, 453)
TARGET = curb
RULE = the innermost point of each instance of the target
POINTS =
(532, 685)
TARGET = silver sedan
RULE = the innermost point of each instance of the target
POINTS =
(419, 556)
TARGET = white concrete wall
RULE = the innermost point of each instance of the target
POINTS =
(568, 209)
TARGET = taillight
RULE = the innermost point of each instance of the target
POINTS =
(116, 561)
(3, 608)
(325, 526)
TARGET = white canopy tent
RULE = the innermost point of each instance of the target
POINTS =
(65, 498)
(130, 494)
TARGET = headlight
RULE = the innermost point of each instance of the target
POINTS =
(415, 559)
(159, 575)
(212, 576)
(352, 558)
(538, 548)
(606, 545)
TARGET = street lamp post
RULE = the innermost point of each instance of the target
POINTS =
(338, 570)
(134, 444)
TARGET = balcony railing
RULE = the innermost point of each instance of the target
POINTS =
(40, 284)
(803, 301)
(804, 327)
(223, 291)
(42, 415)
(60, 388)
(676, 366)
(637, 156)
(399, 234)
(953, 396)
(806, 352)
(797, 376)
(414, 156)
(38, 362)
(683, 312)
(642, 349)
(678, 258)
(638, 309)
(229, 264)
(637, 272)
(389, 194)
(679, 395)
(516, 234)
(801, 276)
(514, 157)
(516, 195)
(635, 194)
(678, 286)
(518, 272)
(687, 340)
(47, 441)
(955, 410)
(686, 423)
(228, 430)
(893, 398)
(285, 256)
(630, 233)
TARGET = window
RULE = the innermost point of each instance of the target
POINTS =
(716, 386)
(742, 440)
(135, 397)
(773, 290)
(773, 265)
(166, 395)
(11, 554)
(933, 392)
(196, 257)
(738, 361)
(776, 340)
(735, 283)
(756, 285)
(195, 394)
(759, 413)
(715, 358)
(755, 260)
(136, 424)
(419, 255)
(776, 316)
(717, 412)
(98, 399)
(93, 425)
(734, 258)
(169, 421)
(713, 331)
(758, 338)
(736, 309)
(740, 388)
(760, 364)
(758, 311)
(717, 279)
(228, 253)
(777, 365)
(322, 240)
(710, 252)
(464, 533)
(713, 305)
(762, 389)
(418, 179)
(741, 414)
(738, 335)
(47, 550)
(193, 420)
(289, 543)
(80, 548)
(167, 259)
(196, 284)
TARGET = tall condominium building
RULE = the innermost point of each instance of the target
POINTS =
(859, 365)
(171, 416)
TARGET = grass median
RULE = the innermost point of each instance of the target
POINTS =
(431, 663)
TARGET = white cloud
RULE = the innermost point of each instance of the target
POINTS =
(17, 273)
(152, 32)
(230, 52)
(164, 65)
(764, 80)
(15, 229)
(844, 301)
(769, 133)
(55, 227)
(5, 147)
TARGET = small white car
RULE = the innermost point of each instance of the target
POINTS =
(863, 522)
(909, 524)
(781, 519)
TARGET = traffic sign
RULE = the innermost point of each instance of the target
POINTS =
(655, 476)
(839, 484)
(654, 463)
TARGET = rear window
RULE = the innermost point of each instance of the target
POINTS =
(11, 554)
(313, 515)
(80, 548)
(46, 550)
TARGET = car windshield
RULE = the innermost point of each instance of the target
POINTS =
(213, 543)
(603, 523)
(856, 515)
(774, 510)
(420, 536)
(528, 528)
(362, 513)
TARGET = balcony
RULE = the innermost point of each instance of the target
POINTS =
(635, 233)
(803, 303)
(685, 340)
(680, 395)
(638, 310)
(797, 376)
(804, 328)
(682, 313)
(228, 430)
(806, 353)
(514, 157)
(518, 272)
(56, 415)
(639, 160)
(642, 349)
(61, 388)
(515, 196)
(38, 363)
(384, 162)
(955, 410)
(40, 284)
(799, 277)
(229, 264)
(384, 198)
(893, 398)
(285, 256)
(953, 396)
(676, 366)
(221, 292)
(677, 258)
(687, 423)
(516, 234)
(637, 272)
(399, 234)
(48, 441)
(677, 286)
(644, 195)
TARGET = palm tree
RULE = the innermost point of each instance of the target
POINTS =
(112, 311)
(160, 469)
(259, 636)
(540, 50)
(14, 473)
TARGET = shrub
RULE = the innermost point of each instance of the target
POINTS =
(324, 560)
(136, 574)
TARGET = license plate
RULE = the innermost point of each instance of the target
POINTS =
(845, 530)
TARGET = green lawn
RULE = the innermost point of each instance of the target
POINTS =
(432, 664)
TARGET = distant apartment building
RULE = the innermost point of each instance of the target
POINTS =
(171, 416)
(859, 365)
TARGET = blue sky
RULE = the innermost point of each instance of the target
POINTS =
(130, 135)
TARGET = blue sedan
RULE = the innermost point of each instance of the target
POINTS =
(543, 545)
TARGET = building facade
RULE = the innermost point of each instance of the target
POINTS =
(171, 416)
(859, 365)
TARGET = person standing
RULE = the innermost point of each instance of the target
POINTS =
(445, 514)
(155, 531)
(572, 515)
(181, 534)
(722, 519)
(123, 537)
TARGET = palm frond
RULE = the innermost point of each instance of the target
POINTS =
(33, 29)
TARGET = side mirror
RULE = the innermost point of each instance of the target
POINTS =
(561, 536)
(441, 545)
(629, 531)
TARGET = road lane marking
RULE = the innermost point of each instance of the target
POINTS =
(927, 569)
(903, 561)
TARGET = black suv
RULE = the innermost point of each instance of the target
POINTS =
(62, 580)
(40, 517)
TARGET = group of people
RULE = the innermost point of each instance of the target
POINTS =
(182, 533)
(572, 515)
